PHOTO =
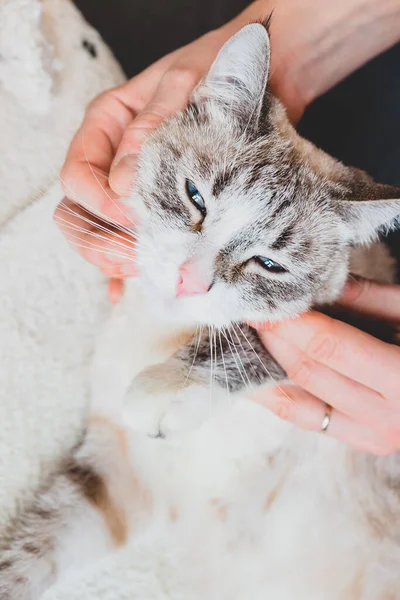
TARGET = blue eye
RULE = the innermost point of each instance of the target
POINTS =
(195, 197)
(269, 265)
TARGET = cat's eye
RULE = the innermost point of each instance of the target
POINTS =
(195, 197)
(269, 265)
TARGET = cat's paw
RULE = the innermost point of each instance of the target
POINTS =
(165, 413)
(162, 404)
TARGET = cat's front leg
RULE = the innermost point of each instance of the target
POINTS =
(200, 380)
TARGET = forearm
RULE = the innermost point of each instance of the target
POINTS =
(316, 43)
(358, 31)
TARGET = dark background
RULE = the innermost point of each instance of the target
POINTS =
(358, 121)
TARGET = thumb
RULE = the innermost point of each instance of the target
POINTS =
(171, 96)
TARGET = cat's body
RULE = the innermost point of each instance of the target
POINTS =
(296, 514)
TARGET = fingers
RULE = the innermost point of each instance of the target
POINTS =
(343, 348)
(111, 250)
(357, 401)
(84, 176)
(375, 299)
(297, 406)
(182, 71)
(171, 96)
(115, 290)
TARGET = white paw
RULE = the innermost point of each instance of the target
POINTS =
(168, 414)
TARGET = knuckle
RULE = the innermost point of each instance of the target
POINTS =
(98, 101)
(322, 346)
(300, 372)
(181, 77)
(93, 104)
(282, 406)
(148, 119)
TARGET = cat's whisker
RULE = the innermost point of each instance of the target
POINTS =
(86, 247)
(113, 250)
(116, 252)
(215, 329)
(85, 205)
(97, 225)
(211, 367)
(245, 353)
(266, 369)
(100, 184)
(89, 209)
(239, 357)
(110, 234)
(195, 353)
(224, 332)
(214, 343)
(67, 225)
(224, 365)
(98, 250)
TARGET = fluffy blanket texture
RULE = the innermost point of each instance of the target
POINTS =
(51, 301)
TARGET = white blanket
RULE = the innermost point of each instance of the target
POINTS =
(51, 302)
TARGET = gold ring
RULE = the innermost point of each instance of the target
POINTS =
(327, 419)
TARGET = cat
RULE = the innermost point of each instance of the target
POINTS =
(240, 220)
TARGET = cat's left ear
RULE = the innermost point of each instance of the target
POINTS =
(370, 208)
(238, 77)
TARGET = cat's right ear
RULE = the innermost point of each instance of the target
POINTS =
(238, 78)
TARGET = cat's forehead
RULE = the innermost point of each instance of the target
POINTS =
(262, 184)
(213, 147)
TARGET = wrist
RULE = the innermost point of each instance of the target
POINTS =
(315, 44)
(282, 71)
(338, 44)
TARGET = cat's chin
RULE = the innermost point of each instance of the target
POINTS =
(190, 310)
(193, 311)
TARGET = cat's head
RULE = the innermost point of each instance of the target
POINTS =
(240, 218)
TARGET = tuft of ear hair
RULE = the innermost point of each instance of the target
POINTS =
(368, 208)
(238, 77)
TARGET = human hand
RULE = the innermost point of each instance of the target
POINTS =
(334, 364)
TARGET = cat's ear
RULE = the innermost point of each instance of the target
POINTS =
(369, 208)
(238, 78)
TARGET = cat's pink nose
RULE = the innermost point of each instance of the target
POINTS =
(190, 282)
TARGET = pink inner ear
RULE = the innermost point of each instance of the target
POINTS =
(191, 281)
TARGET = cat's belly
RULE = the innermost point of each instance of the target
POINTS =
(244, 520)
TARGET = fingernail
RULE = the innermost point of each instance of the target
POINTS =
(115, 290)
(351, 289)
(122, 176)
(349, 285)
